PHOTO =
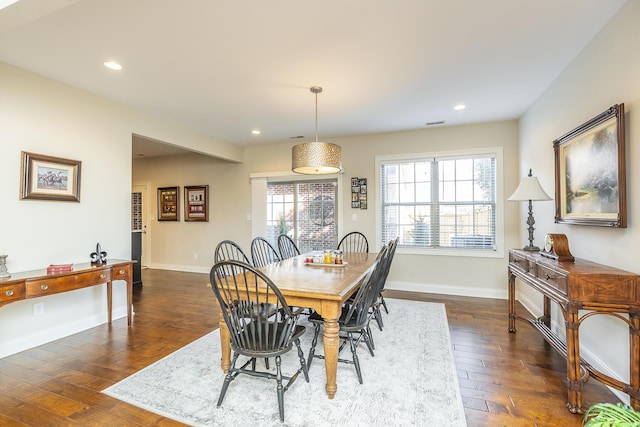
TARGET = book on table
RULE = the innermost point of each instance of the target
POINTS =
(59, 268)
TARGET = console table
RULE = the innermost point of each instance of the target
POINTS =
(37, 283)
(574, 286)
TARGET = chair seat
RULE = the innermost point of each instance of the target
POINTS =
(254, 346)
(350, 324)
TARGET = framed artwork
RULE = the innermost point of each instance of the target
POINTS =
(590, 172)
(169, 204)
(49, 178)
(196, 203)
(359, 193)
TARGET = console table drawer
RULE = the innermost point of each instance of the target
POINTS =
(552, 277)
(67, 283)
(121, 272)
(520, 262)
(11, 292)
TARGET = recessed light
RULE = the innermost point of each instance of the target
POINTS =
(112, 65)
(460, 107)
(256, 132)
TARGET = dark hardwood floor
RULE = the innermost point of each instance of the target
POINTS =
(505, 379)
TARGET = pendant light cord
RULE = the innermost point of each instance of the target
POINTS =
(316, 116)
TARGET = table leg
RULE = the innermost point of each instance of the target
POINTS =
(546, 307)
(634, 352)
(574, 381)
(129, 282)
(512, 302)
(109, 301)
(331, 343)
(225, 347)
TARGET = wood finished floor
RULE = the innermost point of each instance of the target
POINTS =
(505, 379)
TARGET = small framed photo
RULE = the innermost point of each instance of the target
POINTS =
(49, 178)
(168, 204)
(590, 172)
(196, 203)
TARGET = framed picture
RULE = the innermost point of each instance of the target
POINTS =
(359, 193)
(590, 172)
(49, 178)
(169, 204)
(196, 203)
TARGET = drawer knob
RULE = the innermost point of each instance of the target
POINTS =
(44, 287)
(102, 276)
(9, 293)
(121, 272)
(546, 276)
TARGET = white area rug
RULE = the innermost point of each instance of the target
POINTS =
(411, 381)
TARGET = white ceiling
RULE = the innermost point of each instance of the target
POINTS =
(226, 67)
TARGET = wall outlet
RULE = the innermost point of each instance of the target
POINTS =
(195, 255)
(38, 309)
(354, 217)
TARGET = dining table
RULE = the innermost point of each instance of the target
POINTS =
(318, 286)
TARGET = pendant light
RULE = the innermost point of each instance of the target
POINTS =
(316, 158)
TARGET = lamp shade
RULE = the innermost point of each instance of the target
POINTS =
(316, 158)
(529, 189)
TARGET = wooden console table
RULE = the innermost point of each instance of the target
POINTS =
(573, 286)
(37, 283)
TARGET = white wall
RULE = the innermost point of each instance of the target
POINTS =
(45, 117)
(173, 245)
(604, 74)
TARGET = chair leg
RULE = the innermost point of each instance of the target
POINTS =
(356, 361)
(227, 379)
(303, 364)
(384, 304)
(368, 339)
(266, 362)
(312, 350)
(377, 314)
(280, 389)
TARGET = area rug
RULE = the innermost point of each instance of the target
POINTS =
(411, 381)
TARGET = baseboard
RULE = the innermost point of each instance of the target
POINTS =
(182, 268)
(47, 335)
(431, 288)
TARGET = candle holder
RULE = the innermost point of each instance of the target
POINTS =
(3, 267)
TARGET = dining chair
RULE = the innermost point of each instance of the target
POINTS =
(263, 253)
(379, 301)
(354, 242)
(255, 332)
(228, 249)
(288, 248)
(354, 319)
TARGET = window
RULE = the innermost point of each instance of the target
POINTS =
(306, 211)
(439, 202)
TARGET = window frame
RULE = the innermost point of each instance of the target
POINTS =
(259, 183)
(498, 252)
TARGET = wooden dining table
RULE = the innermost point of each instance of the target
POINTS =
(319, 287)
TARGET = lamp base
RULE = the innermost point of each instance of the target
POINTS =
(531, 248)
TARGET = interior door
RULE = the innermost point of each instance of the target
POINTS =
(139, 219)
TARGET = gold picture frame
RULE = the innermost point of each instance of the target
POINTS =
(49, 178)
(590, 172)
